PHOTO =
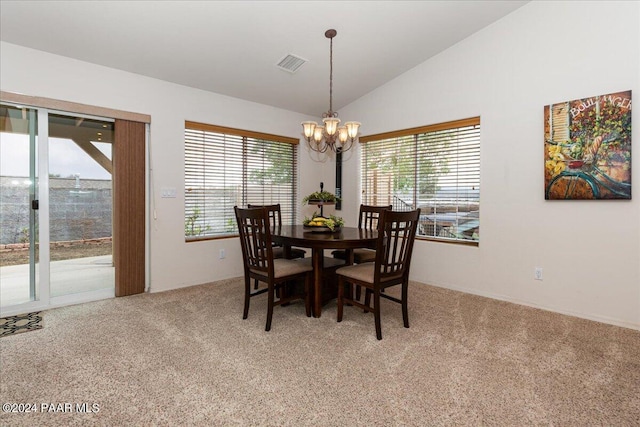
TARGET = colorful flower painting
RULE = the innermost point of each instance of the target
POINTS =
(587, 148)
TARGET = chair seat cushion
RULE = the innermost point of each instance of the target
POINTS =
(359, 255)
(289, 267)
(361, 272)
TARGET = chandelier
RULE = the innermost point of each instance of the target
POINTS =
(331, 135)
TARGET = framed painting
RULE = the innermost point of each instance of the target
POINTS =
(587, 148)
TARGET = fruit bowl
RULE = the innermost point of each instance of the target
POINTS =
(320, 224)
(321, 229)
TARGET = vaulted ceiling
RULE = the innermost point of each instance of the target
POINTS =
(232, 47)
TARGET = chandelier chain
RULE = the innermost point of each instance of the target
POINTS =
(331, 76)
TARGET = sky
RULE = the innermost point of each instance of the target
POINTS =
(65, 158)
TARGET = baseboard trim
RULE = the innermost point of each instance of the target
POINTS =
(600, 319)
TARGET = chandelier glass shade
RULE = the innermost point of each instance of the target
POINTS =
(330, 136)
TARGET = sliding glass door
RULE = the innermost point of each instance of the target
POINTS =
(56, 201)
(18, 205)
(80, 204)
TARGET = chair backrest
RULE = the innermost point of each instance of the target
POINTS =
(369, 216)
(255, 239)
(275, 216)
(396, 234)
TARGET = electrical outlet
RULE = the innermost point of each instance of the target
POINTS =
(537, 273)
(223, 254)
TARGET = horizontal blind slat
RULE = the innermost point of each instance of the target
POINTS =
(223, 170)
(438, 171)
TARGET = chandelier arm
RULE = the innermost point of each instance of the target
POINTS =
(346, 147)
(315, 147)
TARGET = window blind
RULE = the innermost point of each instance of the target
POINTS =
(228, 167)
(434, 168)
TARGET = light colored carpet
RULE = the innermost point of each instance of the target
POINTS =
(186, 357)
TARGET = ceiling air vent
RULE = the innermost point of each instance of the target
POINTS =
(291, 63)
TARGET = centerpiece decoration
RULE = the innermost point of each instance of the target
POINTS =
(320, 197)
(318, 222)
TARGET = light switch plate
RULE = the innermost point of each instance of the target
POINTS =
(169, 192)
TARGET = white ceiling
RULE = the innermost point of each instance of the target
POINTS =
(232, 47)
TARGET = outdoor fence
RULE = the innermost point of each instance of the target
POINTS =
(79, 209)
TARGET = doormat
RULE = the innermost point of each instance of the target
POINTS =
(13, 325)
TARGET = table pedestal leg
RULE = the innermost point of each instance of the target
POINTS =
(317, 258)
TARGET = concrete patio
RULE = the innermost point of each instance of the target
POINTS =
(67, 277)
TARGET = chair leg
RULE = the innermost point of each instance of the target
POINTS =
(270, 299)
(255, 284)
(340, 297)
(405, 311)
(376, 312)
(367, 299)
(282, 291)
(247, 296)
(358, 292)
(348, 291)
(307, 294)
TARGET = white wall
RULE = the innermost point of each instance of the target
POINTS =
(173, 263)
(543, 53)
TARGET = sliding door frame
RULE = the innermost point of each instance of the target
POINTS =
(130, 196)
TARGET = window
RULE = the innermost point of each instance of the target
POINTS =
(435, 168)
(227, 167)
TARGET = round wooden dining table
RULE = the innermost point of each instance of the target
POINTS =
(347, 238)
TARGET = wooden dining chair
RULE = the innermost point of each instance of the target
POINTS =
(368, 220)
(260, 264)
(275, 219)
(394, 246)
